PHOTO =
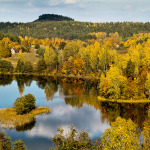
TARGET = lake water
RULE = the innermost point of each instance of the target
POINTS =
(72, 101)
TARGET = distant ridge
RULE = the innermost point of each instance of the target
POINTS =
(53, 17)
(72, 30)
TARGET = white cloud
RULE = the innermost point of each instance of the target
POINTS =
(59, 2)
(82, 5)
(44, 131)
(127, 7)
(4, 10)
(29, 4)
(33, 10)
(62, 111)
(54, 2)
(46, 125)
(146, 10)
(71, 1)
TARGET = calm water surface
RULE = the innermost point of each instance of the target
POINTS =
(73, 102)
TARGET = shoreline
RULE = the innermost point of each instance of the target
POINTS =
(9, 118)
(54, 75)
(123, 101)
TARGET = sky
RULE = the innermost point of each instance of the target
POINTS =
(80, 10)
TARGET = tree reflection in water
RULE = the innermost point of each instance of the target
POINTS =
(79, 92)
(27, 126)
(6, 79)
(23, 80)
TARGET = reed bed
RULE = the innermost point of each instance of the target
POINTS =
(9, 118)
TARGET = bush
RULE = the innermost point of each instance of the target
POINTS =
(6, 66)
(19, 145)
(5, 143)
(73, 140)
(41, 66)
(40, 52)
(20, 66)
(24, 104)
(27, 68)
(37, 46)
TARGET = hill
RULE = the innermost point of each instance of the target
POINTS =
(73, 29)
(53, 17)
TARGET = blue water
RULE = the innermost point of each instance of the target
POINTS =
(86, 117)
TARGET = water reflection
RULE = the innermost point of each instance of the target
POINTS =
(50, 90)
(5, 80)
(26, 126)
(23, 80)
(136, 112)
(73, 101)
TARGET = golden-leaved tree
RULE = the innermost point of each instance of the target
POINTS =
(122, 135)
(50, 58)
(5, 48)
(114, 83)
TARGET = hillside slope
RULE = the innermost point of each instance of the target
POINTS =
(72, 30)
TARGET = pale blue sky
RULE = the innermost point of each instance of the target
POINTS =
(80, 10)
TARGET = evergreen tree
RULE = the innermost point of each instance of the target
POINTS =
(41, 66)
(19, 67)
(27, 67)
(130, 69)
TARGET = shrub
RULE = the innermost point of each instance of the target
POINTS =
(24, 104)
(5, 143)
(27, 68)
(19, 145)
(37, 46)
(6, 66)
(41, 66)
(73, 140)
(20, 66)
(40, 52)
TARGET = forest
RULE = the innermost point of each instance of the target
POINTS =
(71, 30)
(122, 67)
(53, 17)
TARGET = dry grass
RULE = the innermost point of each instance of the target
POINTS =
(9, 118)
(123, 51)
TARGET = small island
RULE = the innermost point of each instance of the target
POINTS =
(23, 112)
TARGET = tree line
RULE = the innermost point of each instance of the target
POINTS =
(53, 17)
(122, 76)
(73, 29)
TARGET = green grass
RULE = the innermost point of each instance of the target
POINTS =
(9, 118)
(101, 99)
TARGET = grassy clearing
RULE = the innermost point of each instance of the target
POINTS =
(10, 119)
(122, 51)
(28, 57)
(101, 99)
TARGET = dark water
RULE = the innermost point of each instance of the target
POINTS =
(73, 102)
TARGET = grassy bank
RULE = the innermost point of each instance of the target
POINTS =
(9, 118)
(100, 99)
(27, 56)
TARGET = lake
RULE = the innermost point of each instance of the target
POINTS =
(72, 101)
